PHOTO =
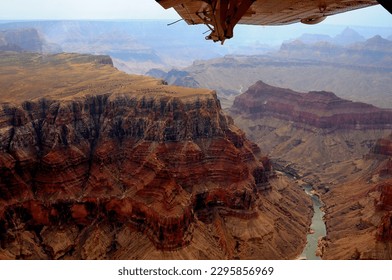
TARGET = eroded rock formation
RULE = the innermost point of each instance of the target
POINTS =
(311, 132)
(384, 146)
(106, 165)
(358, 213)
(341, 148)
(318, 109)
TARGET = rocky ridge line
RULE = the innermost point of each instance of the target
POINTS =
(318, 109)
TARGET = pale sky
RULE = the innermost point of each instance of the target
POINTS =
(147, 9)
(84, 9)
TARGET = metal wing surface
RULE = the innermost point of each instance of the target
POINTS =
(222, 15)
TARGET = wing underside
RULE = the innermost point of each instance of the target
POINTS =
(222, 15)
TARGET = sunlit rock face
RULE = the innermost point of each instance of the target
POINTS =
(341, 148)
(117, 166)
(317, 109)
(316, 133)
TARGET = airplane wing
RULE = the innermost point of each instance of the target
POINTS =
(222, 15)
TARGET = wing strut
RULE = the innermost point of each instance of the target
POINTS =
(221, 16)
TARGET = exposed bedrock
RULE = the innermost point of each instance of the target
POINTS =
(318, 109)
(96, 164)
(342, 148)
(156, 164)
(161, 157)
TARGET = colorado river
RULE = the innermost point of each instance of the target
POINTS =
(317, 227)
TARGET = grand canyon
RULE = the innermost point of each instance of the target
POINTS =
(221, 159)
(99, 164)
(339, 147)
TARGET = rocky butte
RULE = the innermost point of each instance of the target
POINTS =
(98, 164)
(341, 148)
(318, 109)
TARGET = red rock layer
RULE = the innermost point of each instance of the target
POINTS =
(334, 145)
(154, 162)
(359, 212)
(318, 109)
(98, 164)
(384, 230)
(385, 202)
(384, 146)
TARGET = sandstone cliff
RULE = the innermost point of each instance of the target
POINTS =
(384, 146)
(340, 147)
(318, 109)
(359, 211)
(98, 164)
(311, 131)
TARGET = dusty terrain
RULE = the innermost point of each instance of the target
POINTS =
(97, 164)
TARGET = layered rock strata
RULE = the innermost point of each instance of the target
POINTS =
(310, 132)
(317, 109)
(384, 146)
(340, 147)
(358, 213)
(98, 164)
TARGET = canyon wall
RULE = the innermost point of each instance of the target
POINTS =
(309, 131)
(105, 165)
(359, 211)
(341, 148)
(317, 109)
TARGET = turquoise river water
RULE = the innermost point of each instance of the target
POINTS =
(318, 228)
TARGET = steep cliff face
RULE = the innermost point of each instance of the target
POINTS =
(159, 155)
(384, 146)
(317, 109)
(25, 40)
(342, 148)
(21, 40)
(311, 131)
(106, 165)
(358, 213)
